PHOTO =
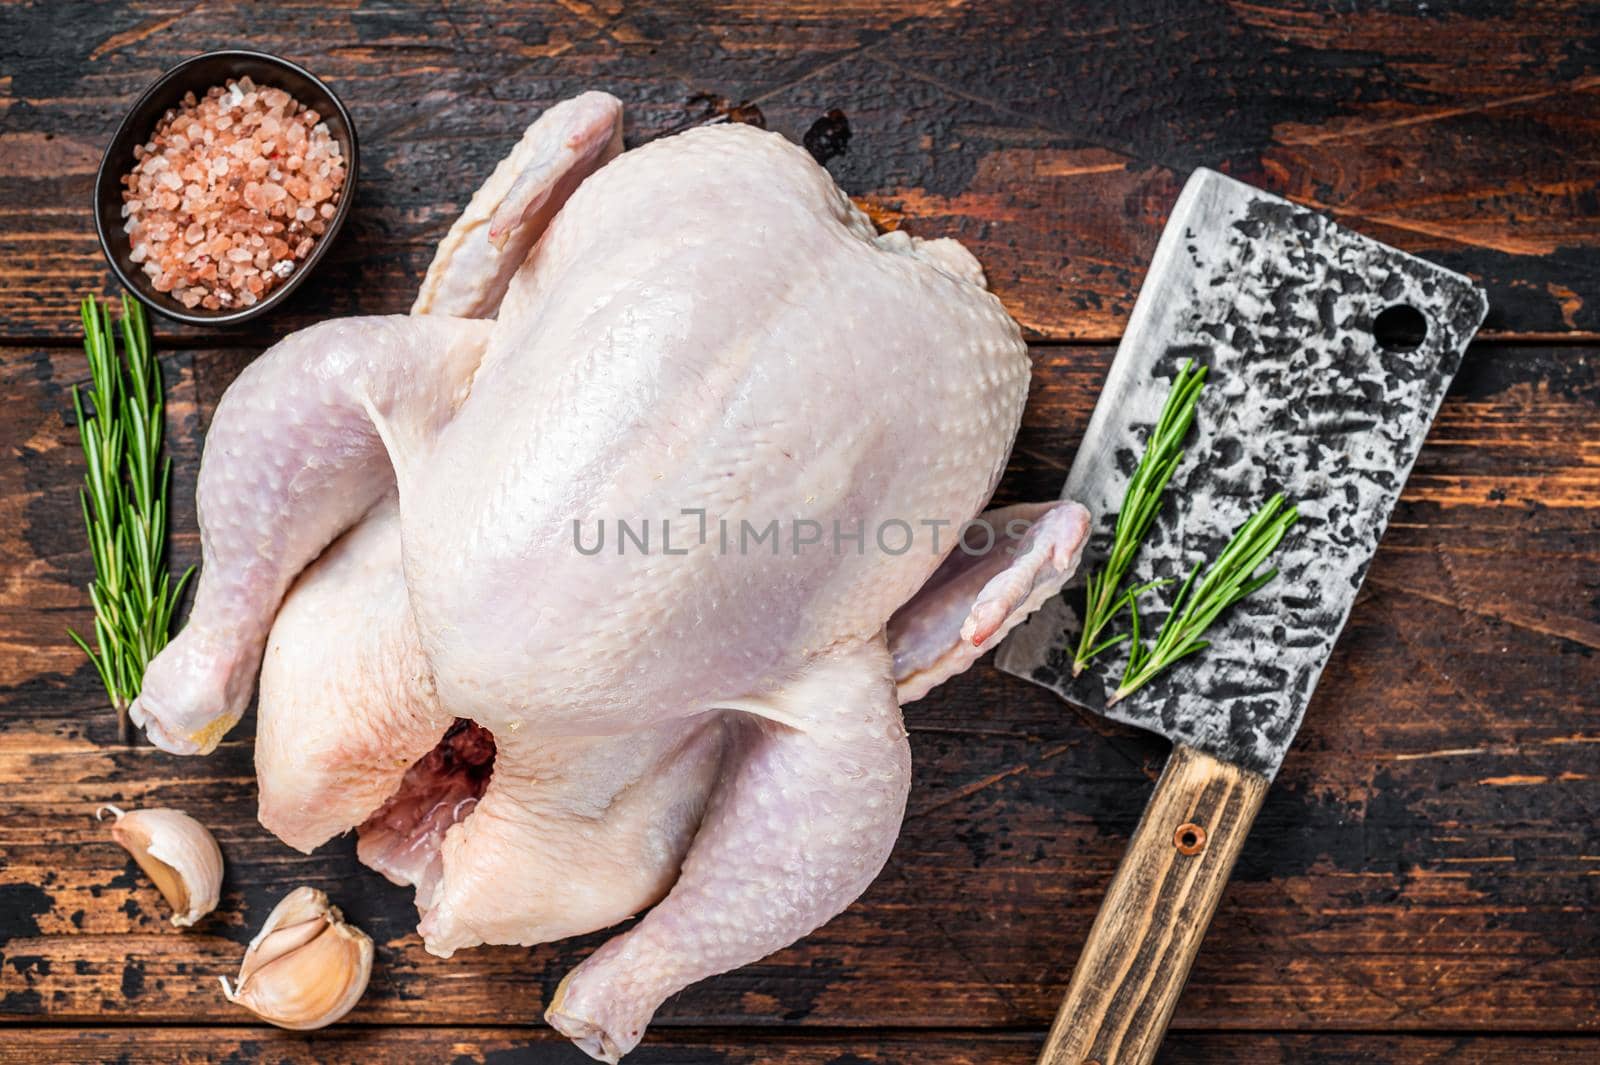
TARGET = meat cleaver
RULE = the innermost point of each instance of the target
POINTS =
(1328, 356)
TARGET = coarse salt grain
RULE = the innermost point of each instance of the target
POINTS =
(250, 163)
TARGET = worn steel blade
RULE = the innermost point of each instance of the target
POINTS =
(1287, 309)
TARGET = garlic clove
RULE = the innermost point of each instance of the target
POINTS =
(306, 968)
(177, 853)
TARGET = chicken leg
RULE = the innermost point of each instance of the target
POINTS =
(803, 820)
(302, 445)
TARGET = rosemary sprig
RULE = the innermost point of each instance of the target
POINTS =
(1162, 452)
(1231, 577)
(124, 502)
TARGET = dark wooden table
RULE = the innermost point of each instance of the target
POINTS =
(1424, 883)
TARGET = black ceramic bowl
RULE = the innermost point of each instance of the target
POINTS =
(197, 75)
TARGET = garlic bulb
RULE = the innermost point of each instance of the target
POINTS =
(306, 967)
(177, 853)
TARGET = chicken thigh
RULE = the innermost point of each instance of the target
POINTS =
(596, 583)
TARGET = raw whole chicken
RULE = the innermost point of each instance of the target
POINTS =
(698, 338)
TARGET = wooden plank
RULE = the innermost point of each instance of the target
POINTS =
(1052, 139)
(514, 1046)
(1425, 861)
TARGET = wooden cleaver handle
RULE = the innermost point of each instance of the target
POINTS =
(1155, 913)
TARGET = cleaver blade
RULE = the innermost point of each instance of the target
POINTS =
(1328, 354)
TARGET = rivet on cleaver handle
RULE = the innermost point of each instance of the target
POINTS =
(1282, 305)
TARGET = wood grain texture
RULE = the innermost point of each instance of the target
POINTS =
(1423, 877)
(1052, 138)
(517, 1046)
(1157, 910)
(1425, 860)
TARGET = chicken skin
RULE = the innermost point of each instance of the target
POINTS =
(594, 585)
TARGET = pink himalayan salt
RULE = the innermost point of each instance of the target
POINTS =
(251, 164)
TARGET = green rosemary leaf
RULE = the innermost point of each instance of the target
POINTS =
(96, 659)
(1141, 502)
(1136, 651)
(1107, 643)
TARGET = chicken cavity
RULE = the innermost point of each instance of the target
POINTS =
(401, 839)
